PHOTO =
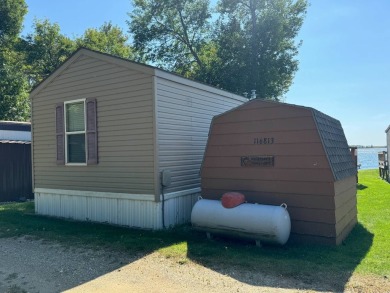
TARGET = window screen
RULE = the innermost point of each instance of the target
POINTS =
(75, 117)
(75, 132)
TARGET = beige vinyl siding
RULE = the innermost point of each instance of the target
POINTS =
(184, 112)
(125, 128)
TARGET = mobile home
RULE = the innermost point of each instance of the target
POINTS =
(120, 142)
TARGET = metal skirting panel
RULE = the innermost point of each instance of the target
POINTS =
(142, 214)
(118, 211)
(178, 209)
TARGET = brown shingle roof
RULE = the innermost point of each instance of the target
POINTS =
(335, 145)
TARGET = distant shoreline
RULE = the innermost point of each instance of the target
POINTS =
(367, 147)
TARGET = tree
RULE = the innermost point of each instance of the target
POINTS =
(256, 41)
(14, 103)
(11, 19)
(251, 46)
(171, 34)
(107, 39)
(45, 50)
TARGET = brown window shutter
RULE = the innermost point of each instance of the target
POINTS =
(60, 134)
(92, 143)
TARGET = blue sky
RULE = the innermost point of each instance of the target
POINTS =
(344, 59)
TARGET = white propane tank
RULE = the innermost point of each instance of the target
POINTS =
(264, 223)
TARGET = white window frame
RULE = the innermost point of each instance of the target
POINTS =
(75, 132)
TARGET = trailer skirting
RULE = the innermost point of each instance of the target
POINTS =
(132, 210)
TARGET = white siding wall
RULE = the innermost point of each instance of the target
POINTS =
(184, 113)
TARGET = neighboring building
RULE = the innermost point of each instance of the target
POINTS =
(387, 163)
(388, 142)
(15, 131)
(15, 161)
(107, 132)
(278, 153)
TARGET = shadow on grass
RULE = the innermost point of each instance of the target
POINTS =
(294, 266)
(361, 186)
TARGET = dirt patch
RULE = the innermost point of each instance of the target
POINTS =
(39, 266)
(29, 265)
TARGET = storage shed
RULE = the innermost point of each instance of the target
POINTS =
(15, 161)
(106, 130)
(278, 153)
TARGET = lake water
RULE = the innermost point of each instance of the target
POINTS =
(368, 158)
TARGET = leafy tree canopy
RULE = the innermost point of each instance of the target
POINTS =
(108, 39)
(171, 34)
(257, 39)
(14, 104)
(46, 48)
(251, 45)
(11, 20)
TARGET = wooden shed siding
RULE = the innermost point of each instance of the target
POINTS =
(307, 149)
(346, 216)
(344, 234)
(264, 113)
(290, 187)
(267, 174)
(125, 129)
(345, 206)
(184, 115)
(292, 200)
(312, 229)
(301, 176)
(330, 223)
(295, 138)
(343, 185)
(268, 125)
(281, 137)
(342, 198)
(313, 239)
(286, 161)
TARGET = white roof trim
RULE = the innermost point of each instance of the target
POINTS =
(196, 84)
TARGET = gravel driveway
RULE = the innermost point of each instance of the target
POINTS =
(28, 265)
(36, 266)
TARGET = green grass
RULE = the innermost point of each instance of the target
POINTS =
(374, 214)
(365, 251)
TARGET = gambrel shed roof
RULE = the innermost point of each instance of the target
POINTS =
(335, 145)
(329, 130)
